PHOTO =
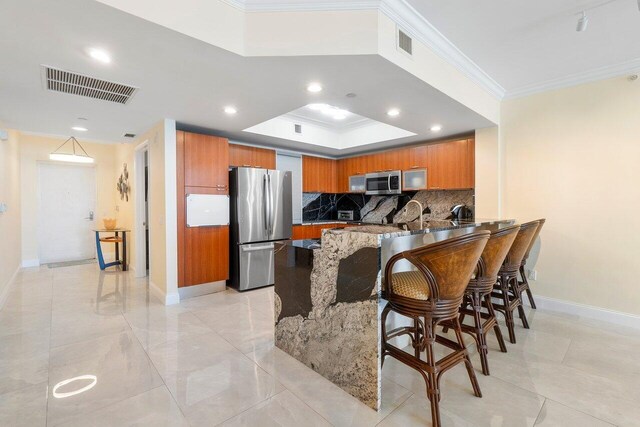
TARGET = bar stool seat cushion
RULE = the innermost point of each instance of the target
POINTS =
(410, 284)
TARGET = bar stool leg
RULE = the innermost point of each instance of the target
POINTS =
(526, 282)
(467, 360)
(383, 334)
(480, 333)
(433, 385)
(517, 296)
(496, 327)
(508, 314)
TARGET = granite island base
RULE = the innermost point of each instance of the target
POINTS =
(328, 302)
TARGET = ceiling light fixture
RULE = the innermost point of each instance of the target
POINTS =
(393, 112)
(314, 87)
(99, 55)
(71, 157)
(436, 128)
(230, 110)
(79, 128)
(582, 22)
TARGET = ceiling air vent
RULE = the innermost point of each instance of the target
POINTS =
(77, 84)
(405, 42)
(297, 128)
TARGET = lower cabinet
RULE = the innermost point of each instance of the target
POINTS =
(313, 231)
(206, 251)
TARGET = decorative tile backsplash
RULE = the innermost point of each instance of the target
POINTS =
(383, 209)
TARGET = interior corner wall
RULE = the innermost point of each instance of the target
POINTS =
(163, 261)
(572, 157)
(10, 221)
(35, 149)
(488, 173)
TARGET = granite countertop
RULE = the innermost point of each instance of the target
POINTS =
(394, 230)
(325, 222)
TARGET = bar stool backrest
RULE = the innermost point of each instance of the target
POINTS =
(448, 265)
(533, 239)
(494, 254)
(520, 246)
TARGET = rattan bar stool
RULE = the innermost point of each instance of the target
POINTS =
(506, 290)
(478, 293)
(430, 296)
(523, 285)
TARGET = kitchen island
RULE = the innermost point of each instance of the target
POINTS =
(327, 298)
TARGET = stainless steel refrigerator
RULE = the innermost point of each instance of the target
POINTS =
(260, 216)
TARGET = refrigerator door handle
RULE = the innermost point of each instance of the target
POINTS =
(257, 248)
(271, 203)
(265, 203)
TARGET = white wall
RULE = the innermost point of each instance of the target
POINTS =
(163, 210)
(36, 148)
(572, 156)
(488, 173)
(10, 239)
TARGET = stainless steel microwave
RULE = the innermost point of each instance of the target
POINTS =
(383, 182)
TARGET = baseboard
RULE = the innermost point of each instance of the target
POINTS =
(26, 263)
(5, 291)
(203, 289)
(584, 310)
(168, 298)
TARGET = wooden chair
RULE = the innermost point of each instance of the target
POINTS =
(430, 296)
(506, 289)
(523, 285)
(478, 293)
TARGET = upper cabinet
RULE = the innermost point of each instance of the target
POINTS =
(206, 162)
(319, 175)
(251, 157)
(451, 165)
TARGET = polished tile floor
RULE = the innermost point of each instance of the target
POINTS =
(211, 360)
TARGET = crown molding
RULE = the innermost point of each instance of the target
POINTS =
(602, 73)
(403, 14)
(420, 28)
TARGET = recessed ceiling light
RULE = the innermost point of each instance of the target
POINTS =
(393, 112)
(230, 110)
(99, 55)
(314, 87)
(339, 117)
(436, 128)
(79, 128)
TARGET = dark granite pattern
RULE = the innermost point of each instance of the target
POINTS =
(293, 265)
(356, 279)
(382, 209)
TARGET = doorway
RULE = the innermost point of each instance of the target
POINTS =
(66, 212)
(141, 194)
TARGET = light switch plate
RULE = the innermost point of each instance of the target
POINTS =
(3, 207)
(533, 275)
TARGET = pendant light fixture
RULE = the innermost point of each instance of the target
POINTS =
(582, 22)
(71, 157)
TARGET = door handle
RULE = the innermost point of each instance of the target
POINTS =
(258, 248)
(90, 217)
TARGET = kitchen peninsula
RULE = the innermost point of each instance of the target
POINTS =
(327, 298)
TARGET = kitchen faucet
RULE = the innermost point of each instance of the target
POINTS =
(406, 207)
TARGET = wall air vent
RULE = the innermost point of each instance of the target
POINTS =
(63, 81)
(129, 135)
(405, 43)
(297, 128)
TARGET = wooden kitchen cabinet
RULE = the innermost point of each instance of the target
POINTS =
(207, 254)
(314, 231)
(451, 165)
(202, 167)
(206, 161)
(251, 157)
(319, 175)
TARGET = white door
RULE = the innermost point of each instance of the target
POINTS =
(66, 212)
